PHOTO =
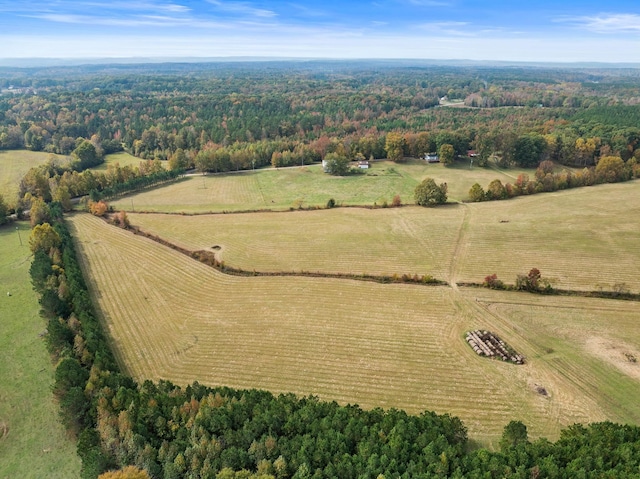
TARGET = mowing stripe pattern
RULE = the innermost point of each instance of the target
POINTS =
(376, 345)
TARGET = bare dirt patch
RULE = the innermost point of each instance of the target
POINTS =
(617, 353)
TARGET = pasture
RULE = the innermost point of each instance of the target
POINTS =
(309, 186)
(33, 443)
(409, 240)
(122, 158)
(14, 164)
(401, 346)
(583, 239)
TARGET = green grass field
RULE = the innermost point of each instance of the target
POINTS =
(14, 164)
(582, 239)
(285, 188)
(33, 443)
(394, 345)
(122, 158)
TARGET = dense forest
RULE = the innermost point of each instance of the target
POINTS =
(227, 116)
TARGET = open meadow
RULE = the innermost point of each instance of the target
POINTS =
(309, 186)
(409, 240)
(122, 158)
(395, 345)
(14, 164)
(582, 239)
(33, 442)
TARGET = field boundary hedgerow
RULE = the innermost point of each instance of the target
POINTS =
(291, 209)
(627, 296)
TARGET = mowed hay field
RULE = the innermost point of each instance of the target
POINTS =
(14, 164)
(33, 442)
(584, 239)
(389, 241)
(286, 188)
(395, 345)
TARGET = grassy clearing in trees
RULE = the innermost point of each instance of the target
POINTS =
(309, 186)
(14, 164)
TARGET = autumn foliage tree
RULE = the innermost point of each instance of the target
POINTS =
(129, 472)
(43, 237)
(447, 154)
(611, 169)
(533, 282)
(428, 193)
(496, 190)
(98, 208)
(492, 282)
(39, 212)
(121, 219)
(394, 146)
(476, 193)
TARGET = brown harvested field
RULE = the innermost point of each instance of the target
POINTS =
(582, 239)
(376, 345)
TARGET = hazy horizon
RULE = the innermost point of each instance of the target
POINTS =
(548, 32)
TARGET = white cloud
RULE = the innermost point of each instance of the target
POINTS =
(133, 21)
(461, 29)
(242, 8)
(140, 5)
(74, 6)
(306, 11)
(606, 22)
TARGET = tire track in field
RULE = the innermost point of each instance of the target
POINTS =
(460, 249)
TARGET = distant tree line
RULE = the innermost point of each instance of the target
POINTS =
(241, 118)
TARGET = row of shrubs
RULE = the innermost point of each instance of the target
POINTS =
(533, 282)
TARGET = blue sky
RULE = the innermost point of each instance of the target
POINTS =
(555, 31)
